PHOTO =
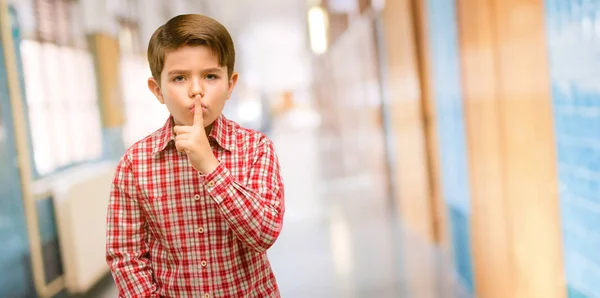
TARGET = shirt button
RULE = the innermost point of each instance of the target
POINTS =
(203, 263)
(211, 183)
(197, 197)
(200, 230)
(206, 295)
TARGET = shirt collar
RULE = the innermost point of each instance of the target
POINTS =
(222, 133)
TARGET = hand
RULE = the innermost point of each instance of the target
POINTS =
(193, 141)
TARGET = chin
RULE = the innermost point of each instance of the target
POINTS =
(208, 120)
(186, 122)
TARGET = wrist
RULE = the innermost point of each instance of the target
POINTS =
(209, 165)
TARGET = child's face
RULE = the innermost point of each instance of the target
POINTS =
(188, 71)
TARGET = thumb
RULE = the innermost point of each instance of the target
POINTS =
(198, 119)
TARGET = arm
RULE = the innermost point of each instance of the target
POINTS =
(254, 211)
(126, 237)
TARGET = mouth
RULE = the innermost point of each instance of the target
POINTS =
(193, 109)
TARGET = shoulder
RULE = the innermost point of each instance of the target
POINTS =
(142, 149)
(248, 138)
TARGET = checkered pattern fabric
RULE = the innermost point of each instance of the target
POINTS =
(173, 232)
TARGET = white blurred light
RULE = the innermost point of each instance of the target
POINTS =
(249, 110)
(341, 243)
(378, 5)
(318, 24)
(342, 6)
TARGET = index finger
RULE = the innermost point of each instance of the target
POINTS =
(198, 119)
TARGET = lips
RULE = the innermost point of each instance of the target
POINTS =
(192, 109)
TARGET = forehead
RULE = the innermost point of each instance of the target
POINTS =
(190, 57)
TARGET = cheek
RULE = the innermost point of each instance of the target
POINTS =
(218, 94)
(171, 92)
(176, 95)
(225, 90)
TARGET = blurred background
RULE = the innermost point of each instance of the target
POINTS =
(429, 148)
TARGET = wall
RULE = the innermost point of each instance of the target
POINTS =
(574, 46)
(350, 103)
(403, 92)
(13, 231)
(516, 239)
(447, 92)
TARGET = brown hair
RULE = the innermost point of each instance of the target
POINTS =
(190, 30)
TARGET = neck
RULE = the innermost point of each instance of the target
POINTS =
(208, 129)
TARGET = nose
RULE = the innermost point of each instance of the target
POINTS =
(196, 87)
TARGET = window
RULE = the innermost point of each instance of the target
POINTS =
(60, 88)
(143, 112)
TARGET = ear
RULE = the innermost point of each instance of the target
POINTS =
(232, 82)
(154, 87)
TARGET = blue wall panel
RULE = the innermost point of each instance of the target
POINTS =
(573, 30)
(14, 251)
(451, 129)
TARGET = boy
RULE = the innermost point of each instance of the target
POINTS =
(195, 205)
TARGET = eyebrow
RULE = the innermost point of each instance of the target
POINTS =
(208, 70)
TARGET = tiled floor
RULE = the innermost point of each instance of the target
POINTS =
(340, 238)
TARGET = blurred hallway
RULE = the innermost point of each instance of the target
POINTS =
(341, 238)
(429, 148)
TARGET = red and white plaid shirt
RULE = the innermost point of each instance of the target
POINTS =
(173, 232)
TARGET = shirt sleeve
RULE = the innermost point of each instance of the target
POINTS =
(254, 210)
(126, 237)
